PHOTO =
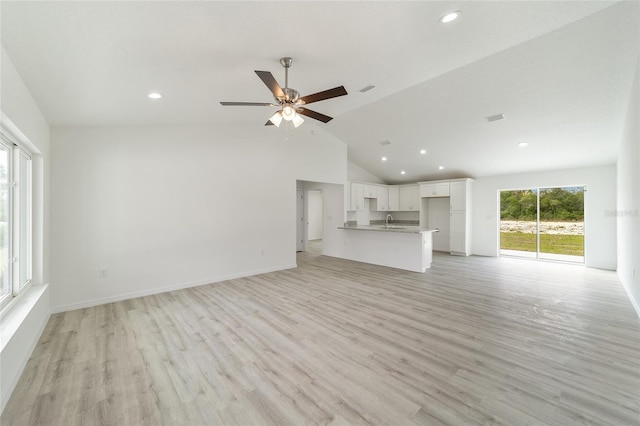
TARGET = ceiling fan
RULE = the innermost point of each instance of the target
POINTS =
(292, 105)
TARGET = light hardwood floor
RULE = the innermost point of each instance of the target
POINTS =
(471, 341)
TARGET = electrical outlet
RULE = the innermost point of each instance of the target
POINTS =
(633, 272)
(103, 273)
(262, 252)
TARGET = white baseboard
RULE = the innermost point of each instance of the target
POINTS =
(152, 291)
(635, 303)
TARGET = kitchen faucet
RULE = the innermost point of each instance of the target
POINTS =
(386, 220)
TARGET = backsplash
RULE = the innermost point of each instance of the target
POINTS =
(366, 217)
(382, 222)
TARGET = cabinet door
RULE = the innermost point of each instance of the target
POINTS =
(383, 198)
(394, 198)
(404, 198)
(441, 189)
(409, 198)
(428, 190)
(370, 191)
(434, 190)
(458, 194)
(457, 232)
(415, 198)
(357, 196)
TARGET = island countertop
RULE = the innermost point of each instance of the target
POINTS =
(391, 228)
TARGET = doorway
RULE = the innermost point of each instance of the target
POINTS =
(314, 221)
(299, 220)
(543, 223)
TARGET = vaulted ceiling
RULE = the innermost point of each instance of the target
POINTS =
(560, 72)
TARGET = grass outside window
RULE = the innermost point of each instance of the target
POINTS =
(549, 243)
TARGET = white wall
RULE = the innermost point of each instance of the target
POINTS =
(628, 208)
(600, 201)
(169, 207)
(314, 212)
(357, 173)
(24, 319)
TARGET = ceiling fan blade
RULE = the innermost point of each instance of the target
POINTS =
(327, 94)
(268, 123)
(314, 115)
(247, 104)
(268, 79)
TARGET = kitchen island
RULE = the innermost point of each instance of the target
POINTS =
(402, 247)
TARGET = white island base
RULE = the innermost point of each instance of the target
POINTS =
(397, 248)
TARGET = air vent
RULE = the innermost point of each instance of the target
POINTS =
(496, 117)
(383, 143)
(366, 89)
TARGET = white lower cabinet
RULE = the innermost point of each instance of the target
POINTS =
(458, 233)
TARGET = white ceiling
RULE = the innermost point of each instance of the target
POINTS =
(561, 73)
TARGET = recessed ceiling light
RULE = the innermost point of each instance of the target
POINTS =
(384, 158)
(423, 151)
(154, 95)
(523, 144)
(451, 16)
(441, 168)
(403, 172)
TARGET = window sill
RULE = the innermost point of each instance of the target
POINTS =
(16, 311)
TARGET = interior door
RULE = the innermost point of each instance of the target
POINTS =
(300, 220)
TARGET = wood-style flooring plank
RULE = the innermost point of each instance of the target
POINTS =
(471, 341)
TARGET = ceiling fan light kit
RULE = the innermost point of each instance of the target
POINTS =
(276, 119)
(289, 99)
(297, 120)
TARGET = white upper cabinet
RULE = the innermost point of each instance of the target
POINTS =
(394, 198)
(370, 191)
(357, 196)
(409, 198)
(434, 189)
(383, 198)
(458, 195)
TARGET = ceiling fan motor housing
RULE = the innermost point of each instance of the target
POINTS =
(291, 96)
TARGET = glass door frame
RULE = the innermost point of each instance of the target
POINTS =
(536, 255)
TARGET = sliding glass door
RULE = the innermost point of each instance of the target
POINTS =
(562, 224)
(543, 223)
(519, 222)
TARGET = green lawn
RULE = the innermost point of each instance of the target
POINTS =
(549, 243)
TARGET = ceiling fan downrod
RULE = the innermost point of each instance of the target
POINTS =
(286, 63)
